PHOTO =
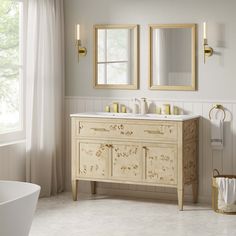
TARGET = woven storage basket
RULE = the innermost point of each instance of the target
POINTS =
(218, 204)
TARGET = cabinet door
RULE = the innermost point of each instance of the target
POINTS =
(161, 164)
(126, 161)
(93, 159)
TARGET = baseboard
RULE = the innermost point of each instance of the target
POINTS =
(148, 195)
(143, 194)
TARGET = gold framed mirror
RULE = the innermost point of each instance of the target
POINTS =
(116, 56)
(172, 57)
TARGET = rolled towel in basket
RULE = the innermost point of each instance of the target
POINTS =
(227, 189)
(217, 134)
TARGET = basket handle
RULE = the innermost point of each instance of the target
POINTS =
(217, 173)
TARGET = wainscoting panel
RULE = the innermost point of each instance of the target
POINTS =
(12, 162)
(223, 160)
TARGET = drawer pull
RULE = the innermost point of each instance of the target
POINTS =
(154, 131)
(100, 129)
(109, 145)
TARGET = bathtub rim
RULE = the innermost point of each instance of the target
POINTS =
(37, 188)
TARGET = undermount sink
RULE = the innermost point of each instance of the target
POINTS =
(165, 116)
(138, 115)
(149, 116)
(113, 114)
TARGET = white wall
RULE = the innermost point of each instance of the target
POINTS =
(216, 79)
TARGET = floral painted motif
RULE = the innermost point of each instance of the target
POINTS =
(161, 167)
(126, 161)
(93, 160)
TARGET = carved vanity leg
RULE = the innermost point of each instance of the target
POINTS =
(195, 192)
(93, 187)
(180, 198)
(74, 184)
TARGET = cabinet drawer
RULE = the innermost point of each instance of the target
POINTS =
(158, 131)
(127, 130)
(102, 129)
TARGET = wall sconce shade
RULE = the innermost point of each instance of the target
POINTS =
(208, 51)
(78, 32)
(82, 51)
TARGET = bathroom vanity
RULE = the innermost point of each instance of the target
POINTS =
(155, 150)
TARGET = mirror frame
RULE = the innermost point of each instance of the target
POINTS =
(135, 84)
(192, 87)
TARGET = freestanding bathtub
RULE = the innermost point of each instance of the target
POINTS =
(18, 202)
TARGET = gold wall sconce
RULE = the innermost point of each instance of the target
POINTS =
(82, 51)
(208, 51)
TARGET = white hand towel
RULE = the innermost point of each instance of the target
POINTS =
(217, 134)
(227, 189)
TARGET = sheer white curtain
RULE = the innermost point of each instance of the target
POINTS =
(44, 94)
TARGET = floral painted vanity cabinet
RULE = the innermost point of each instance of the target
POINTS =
(146, 150)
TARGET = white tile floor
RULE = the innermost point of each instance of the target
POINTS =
(109, 216)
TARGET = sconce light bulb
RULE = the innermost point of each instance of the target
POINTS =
(204, 30)
(78, 32)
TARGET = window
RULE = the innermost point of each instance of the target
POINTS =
(113, 56)
(11, 69)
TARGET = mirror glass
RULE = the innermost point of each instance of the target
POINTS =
(172, 57)
(116, 56)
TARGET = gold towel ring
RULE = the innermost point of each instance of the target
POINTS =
(219, 107)
(215, 173)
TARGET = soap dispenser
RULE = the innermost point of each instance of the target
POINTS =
(143, 106)
(135, 106)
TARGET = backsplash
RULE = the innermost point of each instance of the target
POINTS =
(224, 160)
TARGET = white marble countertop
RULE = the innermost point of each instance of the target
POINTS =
(134, 116)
